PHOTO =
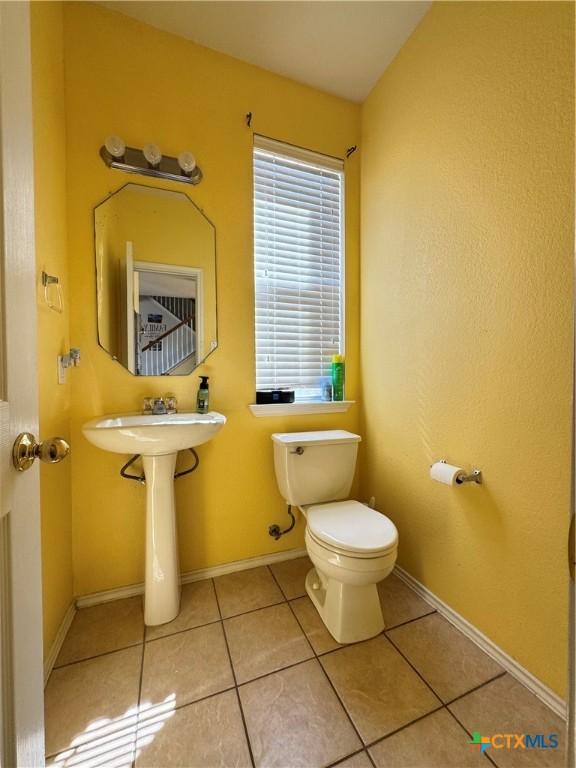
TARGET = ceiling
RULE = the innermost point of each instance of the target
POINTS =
(341, 47)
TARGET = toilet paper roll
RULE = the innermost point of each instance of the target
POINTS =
(446, 473)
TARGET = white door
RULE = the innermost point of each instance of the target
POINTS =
(21, 692)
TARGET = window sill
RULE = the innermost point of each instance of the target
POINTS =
(301, 408)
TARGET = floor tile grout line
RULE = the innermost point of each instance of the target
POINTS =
(97, 656)
(277, 583)
(409, 621)
(486, 755)
(370, 758)
(444, 706)
(345, 710)
(404, 727)
(420, 675)
(343, 759)
(181, 631)
(238, 699)
(342, 704)
(476, 688)
(200, 700)
(275, 671)
(296, 618)
(253, 610)
(139, 697)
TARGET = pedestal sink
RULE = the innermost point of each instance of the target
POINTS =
(157, 439)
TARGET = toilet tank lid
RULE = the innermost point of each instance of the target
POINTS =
(332, 436)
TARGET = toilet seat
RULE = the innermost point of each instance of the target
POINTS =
(351, 528)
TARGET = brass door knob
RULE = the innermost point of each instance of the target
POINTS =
(26, 449)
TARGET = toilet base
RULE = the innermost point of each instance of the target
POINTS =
(351, 613)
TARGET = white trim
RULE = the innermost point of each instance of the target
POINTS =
(50, 660)
(300, 409)
(298, 153)
(537, 687)
(96, 598)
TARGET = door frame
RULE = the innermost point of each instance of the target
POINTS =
(23, 688)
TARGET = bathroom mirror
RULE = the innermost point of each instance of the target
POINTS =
(155, 281)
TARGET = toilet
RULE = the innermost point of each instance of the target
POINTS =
(351, 546)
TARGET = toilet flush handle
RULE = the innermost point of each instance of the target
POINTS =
(298, 450)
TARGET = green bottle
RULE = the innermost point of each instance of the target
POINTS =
(203, 395)
(337, 377)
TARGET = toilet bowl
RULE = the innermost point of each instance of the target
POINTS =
(351, 546)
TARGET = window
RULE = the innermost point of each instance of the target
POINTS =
(298, 266)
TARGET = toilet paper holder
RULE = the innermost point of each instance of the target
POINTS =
(474, 477)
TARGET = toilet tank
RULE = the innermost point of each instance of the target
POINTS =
(314, 467)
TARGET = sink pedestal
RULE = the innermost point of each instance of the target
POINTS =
(162, 589)
(157, 438)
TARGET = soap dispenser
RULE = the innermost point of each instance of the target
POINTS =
(203, 395)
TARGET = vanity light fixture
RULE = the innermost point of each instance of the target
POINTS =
(150, 161)
(152, 153)
(187, 162)
(115, 146)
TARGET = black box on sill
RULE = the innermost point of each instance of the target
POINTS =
(273, 396)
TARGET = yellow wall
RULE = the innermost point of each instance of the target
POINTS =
(53, 338)
(467, 239)
(127, 78)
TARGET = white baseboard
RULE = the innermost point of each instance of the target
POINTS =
(96, 598)
(50, 660)
(537, 687)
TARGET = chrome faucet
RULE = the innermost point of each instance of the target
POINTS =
(160, 405)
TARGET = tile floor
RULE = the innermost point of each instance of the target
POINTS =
(247, 675)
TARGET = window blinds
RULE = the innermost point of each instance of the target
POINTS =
(298, 262)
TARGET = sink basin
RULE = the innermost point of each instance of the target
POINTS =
(152, 435)
(157, 439)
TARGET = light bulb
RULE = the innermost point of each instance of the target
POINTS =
(187, 162)
(152, 154)
(115, 146)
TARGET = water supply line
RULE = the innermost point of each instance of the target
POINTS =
(275, 531)
(142, 478)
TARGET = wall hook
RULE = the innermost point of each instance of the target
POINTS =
(249, 119)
